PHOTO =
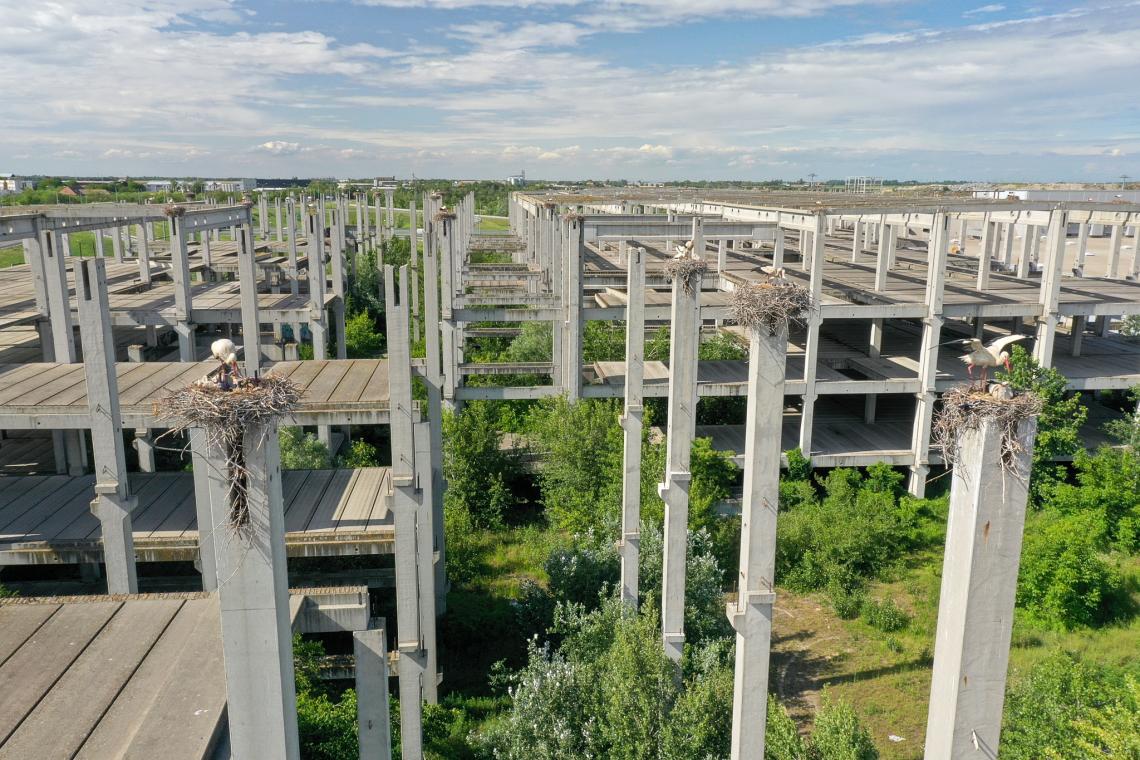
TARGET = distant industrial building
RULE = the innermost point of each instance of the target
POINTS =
(10, 183)
(517, 180)
(230, 185)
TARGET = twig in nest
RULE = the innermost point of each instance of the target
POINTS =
(688, 270)
(769, 306)
(224, 415)
(173, 210)
(442, 214)
(571, 216)
(966, 409)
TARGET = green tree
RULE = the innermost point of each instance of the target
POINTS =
(839, 735)
(301, 450)
(360, 454)
(1059, 424)
(581, 445)
(477, 468)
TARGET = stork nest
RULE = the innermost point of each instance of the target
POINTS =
(572, 216)
(173, 210)
(443, 214)
(687, 270)
(770, 307)
(224, 415)
(965, 408)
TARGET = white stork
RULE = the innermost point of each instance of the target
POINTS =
(987, 356)
(776, 275)
(225, 351)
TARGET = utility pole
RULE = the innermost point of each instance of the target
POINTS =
(811, 180)
(1123, 179)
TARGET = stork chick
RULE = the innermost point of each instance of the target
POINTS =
(1001, 391)
(776, 275)
(986, 356)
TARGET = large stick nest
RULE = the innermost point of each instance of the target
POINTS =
(224, 415)
(965, 408)
(173, 210)
(687, 270)
(770, 307)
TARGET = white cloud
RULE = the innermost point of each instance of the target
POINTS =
(279, 148)
(993, 8)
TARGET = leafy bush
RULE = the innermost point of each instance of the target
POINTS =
(1064, 583)
(1059, 424)
(782, 740)
(704, 599)
(1064, 701)
(838, 734)
(360, 454)
(301, 450)
(1108, 485)
(847, 602)
(361, 338)
(327, 726)
(884, 615)
(475, 465)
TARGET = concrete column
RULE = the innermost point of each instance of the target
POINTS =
(1082, 244)
(180, 273)
(412, 662)
(338, 281)
(277, 209)
(294, 277)
(1077, 334)
(113, 502)
(250, 324)
(573, 326)
(1049, 295)
(988, 235)
(684, 337)
(144, 445)
(415, 269)
(117, 244)
(928, 359)
(434, 384)
(144, 257)
(811, 349)
(1026, 251)
(254, 599)
(425, 554)
(631, 423)
(751, 613)
(1135, 273)
(1114, 241)
(979, 583)
(208, 493)
(778, 248)
(450, 368)
(856, 240)
(374, 725)
(34, 256)
(98, 244)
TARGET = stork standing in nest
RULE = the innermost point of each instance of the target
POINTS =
(986, 356)
(225, 352)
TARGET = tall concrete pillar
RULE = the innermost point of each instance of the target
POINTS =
(294, 277)
(778, 248)
(144, 256)
(413, 662)
(415, 269)
(684, 338)
(70, 451)
(928, 359)
(434, 383)
(988, 235)
(856, 239)
(374, 724)
(278, 231)
(751, 612)
(979, 583)
(250, 324)
(209, 492)
(1082, 244)
(113, 502)
(1114, 244)
(254, 598)
(573, 326)
(631, 423)
(811, 349)
(1049, 295)
(1026, 251)
(338, 281)
(180, 273)
(447, 251)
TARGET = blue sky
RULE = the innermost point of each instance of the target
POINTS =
(635, 89)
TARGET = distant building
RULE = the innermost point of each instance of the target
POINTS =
(230, 185)
(517, 180)
(158, 185)
(10, 183)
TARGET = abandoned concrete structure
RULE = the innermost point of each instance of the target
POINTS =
(857, 382)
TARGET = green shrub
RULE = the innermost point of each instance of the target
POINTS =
(799, 466)
(782, 740)
(1064, 583)
(846, 602)
(475, 465)
(839, 735)
(885, 615)
(361, 338)
(360, 454)
(301, 450)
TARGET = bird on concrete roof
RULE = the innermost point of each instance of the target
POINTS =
(776, 275)
(986, 356)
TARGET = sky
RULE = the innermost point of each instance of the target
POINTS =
(572, 89)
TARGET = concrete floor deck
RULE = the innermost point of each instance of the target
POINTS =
(46, 519)
(101, 677)
(54, 395)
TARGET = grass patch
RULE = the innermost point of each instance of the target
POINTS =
(498, 225)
